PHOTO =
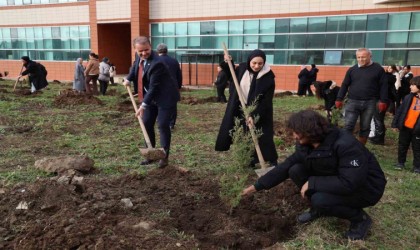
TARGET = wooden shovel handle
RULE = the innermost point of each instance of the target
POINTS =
(17, 80)
(143, 128)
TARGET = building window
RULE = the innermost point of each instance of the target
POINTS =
(296, 40)
(400, 21)
(377, 22)
(336, 24)
(298, 25)
(332, 57)
(44, 43)
(356, 23)
(317, 24)
(413, 58)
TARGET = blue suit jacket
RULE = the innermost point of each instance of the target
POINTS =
(174, 69)
(158, 86)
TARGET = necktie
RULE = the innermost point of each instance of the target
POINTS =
(140, 80)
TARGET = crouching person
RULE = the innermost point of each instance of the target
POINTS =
(334, 171)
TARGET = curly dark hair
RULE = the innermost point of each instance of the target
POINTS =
(310, 124)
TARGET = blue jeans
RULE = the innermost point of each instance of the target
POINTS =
(363, 108)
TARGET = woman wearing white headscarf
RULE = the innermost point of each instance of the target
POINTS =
(79, 76)
(257, 84)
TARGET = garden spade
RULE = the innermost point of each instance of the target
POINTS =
(265, 167)
(17, 80)
(150, 153)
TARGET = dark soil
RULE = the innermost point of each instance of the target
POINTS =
(170, 210)
(193, 101)
(284, 93)
(70, 98)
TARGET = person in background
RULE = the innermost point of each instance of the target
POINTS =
(92, 74)
(175, 70)
(365, 83)
(158, 94)
(256, 80)
(313, 73)
(335, 172)
(112, 72)
(406, 76)
(79, 76)
(303, 81)
(221, 83)
(328, 92)
(37, 74)
(103, 75)
(407, 122)
(378, 129)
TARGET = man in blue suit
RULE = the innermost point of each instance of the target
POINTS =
(158, 93)
(174, 69)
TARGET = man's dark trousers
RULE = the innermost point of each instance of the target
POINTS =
(163, 116)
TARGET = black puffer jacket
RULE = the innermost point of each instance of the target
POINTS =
(399, 118)
(340, 165)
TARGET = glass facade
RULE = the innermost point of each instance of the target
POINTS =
(62, 43)
(393, 38)
(29, 2)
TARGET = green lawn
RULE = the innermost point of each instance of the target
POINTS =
(32, 127)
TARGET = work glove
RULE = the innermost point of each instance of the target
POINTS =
(382, 107)
(338, 104)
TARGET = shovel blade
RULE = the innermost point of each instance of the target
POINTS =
(153, 154)
(262, 171)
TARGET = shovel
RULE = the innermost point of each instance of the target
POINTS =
(150, 153)
(17, 80)
(265, 167)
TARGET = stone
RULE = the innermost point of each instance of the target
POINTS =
(145, 225)
(64, 179)
(2, 191)
(178, 244)
(61, 164)
(23, 205)
(127, 202)
(77, 180)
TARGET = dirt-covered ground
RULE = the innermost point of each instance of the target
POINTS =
(160, 209)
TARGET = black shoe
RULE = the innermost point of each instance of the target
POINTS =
(377, 140)
(359, 229)
(146, 162)
(416, 170)
(399, 166)
(308, 216)
(163, 163)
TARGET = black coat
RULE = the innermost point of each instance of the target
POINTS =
(36, 75)
(401, 114)
(263, 93)
(312, 75)
(174, 69)
(341, 165)
(162, 88)
(304, 77)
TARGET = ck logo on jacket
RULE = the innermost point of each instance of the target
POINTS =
(354, 163)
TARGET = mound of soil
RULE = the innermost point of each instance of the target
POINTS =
(71, 98)
(285, 93)
(125, 106)
(165, 209)
(193, 101)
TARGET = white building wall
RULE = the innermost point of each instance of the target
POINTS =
(44, 16)
(113, 9)
(164, 9)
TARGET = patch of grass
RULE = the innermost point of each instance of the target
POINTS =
(112, 137)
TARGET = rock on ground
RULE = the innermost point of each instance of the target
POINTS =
(62, 164)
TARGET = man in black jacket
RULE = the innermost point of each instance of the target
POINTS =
(366, 84)
(334, 171)
(160, 92)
